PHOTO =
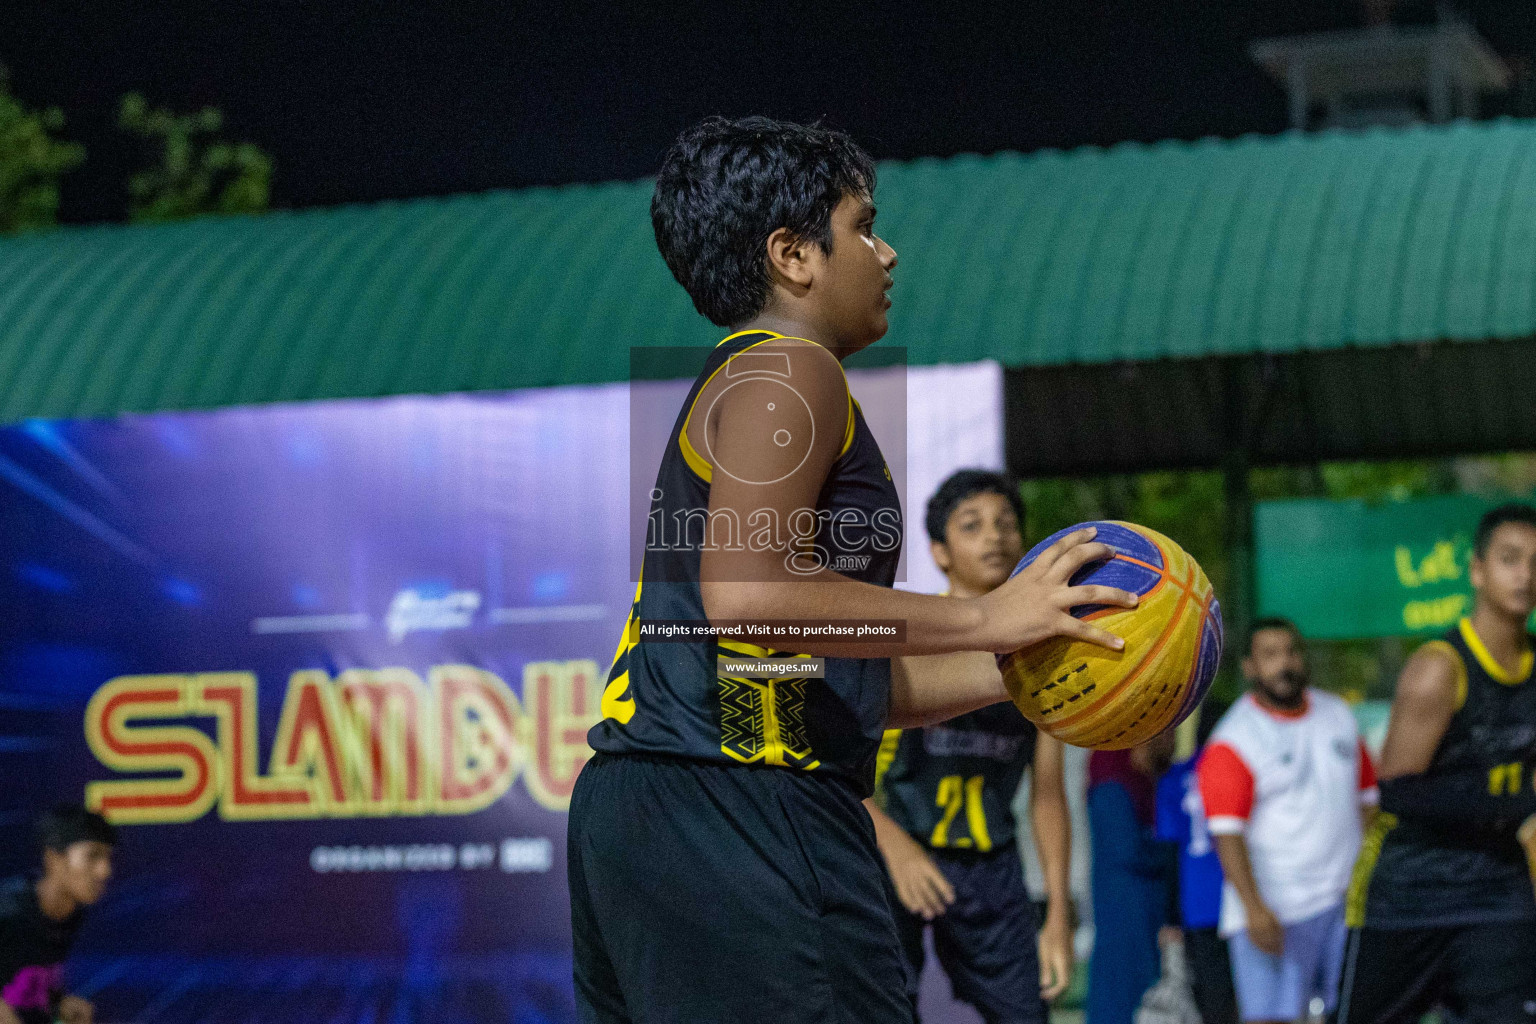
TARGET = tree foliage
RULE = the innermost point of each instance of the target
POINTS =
(32, 162)
(196, 171)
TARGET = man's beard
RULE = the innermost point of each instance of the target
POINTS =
(1286, 689)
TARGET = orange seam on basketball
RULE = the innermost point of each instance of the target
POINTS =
(1105, 708)
(1162, 640)
(1159, 721)
(1163, 572)
(1194, 666)
(1136, 561)
(1095, 726)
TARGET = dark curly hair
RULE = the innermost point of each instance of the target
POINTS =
(725, 186)
(961, 485)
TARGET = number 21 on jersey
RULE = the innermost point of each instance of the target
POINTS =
(956, 792)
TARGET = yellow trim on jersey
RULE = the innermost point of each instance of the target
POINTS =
(615, 704)
(1489, 663)
(890, 740)
(754, 651)
(1365, 867)
(774, 747)
(700, 465)
(749, 330)
(1444, 647)
(696, 462)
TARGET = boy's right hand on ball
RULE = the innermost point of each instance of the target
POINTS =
(1036, 604)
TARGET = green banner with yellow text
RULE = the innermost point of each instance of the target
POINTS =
(1349, 569)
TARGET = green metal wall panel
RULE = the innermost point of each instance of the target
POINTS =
(1262, 244)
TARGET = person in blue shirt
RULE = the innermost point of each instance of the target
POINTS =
(1181, 820)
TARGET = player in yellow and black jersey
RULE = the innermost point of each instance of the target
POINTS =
(1442, 908)
(786, 722)
(943, 808)
(721, 863)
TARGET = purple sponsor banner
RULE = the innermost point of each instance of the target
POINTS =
(388, 623)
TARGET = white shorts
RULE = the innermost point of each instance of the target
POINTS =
(1281, 987)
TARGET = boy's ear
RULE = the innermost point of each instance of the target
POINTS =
(940, 552)
(789, 260)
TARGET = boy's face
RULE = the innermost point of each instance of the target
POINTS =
(981, 545)
(1505, 576)
(82, 868)
(852, 279)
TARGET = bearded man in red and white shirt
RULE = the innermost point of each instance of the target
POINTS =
(1286, 785)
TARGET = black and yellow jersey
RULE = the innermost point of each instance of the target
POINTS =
(951, 786)
(1421, 874)
(668, 698)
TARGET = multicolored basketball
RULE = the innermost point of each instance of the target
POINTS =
(1091, 696)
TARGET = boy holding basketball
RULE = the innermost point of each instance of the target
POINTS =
(722, 866)
(946, 829)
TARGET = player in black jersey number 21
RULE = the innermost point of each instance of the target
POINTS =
(943, 805)
(1442, 907)
(722, 866)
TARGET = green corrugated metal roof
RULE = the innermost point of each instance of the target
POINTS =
(1139, 252)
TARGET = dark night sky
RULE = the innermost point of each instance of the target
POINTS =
(365, 102)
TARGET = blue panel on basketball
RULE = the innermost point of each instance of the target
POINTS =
(1138, 579)
(1207, 662)
(1124, 540)
(1114, 572)
(1130, 543)
(1210, 647)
